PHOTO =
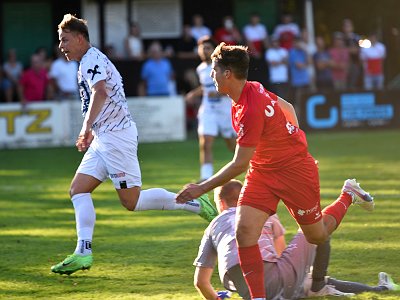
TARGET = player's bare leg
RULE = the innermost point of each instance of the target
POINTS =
(249, 223)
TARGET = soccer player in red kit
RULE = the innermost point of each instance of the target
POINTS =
(269, 139)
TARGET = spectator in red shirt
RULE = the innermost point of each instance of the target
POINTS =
(340, 62)
(273, 150)
(229, 34)
(33, 82)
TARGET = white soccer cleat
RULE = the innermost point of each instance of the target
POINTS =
(360, 197)
(328, 290)
(387, 281)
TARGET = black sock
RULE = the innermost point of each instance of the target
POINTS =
(320, 267)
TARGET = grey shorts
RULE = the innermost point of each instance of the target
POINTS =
(284, 278)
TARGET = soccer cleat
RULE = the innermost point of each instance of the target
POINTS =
(360, 197)
(328, 290)
(207, 210)
(387, 281)
(72, 264)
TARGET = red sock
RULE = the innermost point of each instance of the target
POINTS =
(339, 208)
(252, 265)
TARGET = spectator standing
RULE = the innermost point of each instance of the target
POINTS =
(351, 40)
(298, 66)
(287, 31)
(187, 44)
(323, 67)
(341, 58)
(198, 28)
(134, 43)
(310, 48)
(44, 58)
(256, 36)
(157, 73)
(34, 82)
(228, 33)
(277, 60)
(12, 71)
(63, 80)
(373, 58)
(6, 89)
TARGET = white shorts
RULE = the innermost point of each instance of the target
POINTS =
(114, 155)
(215, 119)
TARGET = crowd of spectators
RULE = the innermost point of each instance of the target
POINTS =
(295, 64)
(47, 77)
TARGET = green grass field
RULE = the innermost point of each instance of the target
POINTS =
(149, 255)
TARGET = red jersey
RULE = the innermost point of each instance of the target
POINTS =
(259, 122)
(34, 84)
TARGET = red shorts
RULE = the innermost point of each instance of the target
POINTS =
(297, 186)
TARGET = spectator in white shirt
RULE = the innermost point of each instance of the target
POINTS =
(63, 79)
(198, 29)
(373, 57)
(277, 60)
(256, 36)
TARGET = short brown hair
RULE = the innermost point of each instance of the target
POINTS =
(73, 24)
(230, 191)
(235, 58)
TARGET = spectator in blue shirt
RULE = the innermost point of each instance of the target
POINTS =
(157, 73)
(323, 66)
(298, 67)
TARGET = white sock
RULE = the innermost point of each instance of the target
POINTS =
(161, 199)
(206, 171)
(85, 217)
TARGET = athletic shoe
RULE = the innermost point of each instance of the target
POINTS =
(360, 197)
(207, 210)
(72, 264)
(328, 290)
(387, 281)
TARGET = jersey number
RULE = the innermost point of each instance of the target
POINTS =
(269, 111)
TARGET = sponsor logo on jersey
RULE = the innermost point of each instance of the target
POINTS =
(93, 71)
(291, 128)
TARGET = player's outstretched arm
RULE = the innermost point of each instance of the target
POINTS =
(238, 165)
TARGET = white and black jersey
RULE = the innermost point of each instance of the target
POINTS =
(95, 66)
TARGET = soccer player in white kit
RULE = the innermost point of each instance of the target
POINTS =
(110, 139)
(214, 115)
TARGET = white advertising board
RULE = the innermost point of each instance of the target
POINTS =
(47, 124)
